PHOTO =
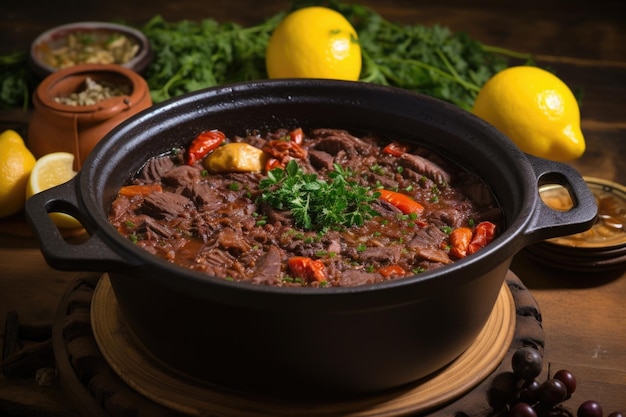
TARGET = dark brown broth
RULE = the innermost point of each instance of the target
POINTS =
(233, 235)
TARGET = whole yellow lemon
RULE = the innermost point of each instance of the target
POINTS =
(535, 109)
(16, 163)
(314, 42)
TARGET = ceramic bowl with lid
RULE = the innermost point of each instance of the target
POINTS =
(89, 43)
(601, 248)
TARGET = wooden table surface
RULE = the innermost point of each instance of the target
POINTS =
(584, 315)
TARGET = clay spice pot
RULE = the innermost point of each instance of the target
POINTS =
(75, 107)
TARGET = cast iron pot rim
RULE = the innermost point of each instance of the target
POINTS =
(507, 243)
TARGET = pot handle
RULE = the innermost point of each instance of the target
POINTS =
(547, 222)
(92, 255)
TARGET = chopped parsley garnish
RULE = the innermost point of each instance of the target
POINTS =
(316, 203)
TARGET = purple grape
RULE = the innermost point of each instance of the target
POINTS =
(522, 410)
(529, 392)
(567, 378)
(527, 363)
(552, 392)
(616, 414)
(589, 409)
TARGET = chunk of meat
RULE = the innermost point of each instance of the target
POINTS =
(320, 159)
(119, 208)
(181, 176)
(284, 217)
(428, 237)
(389, 254)
(232, 241)
(269, 268)
(425, 167)
(154, 169)
(355, 277)
(150, 226)
(428, 243)
(478, 192)
(334, 140)
(202, 194)
(165, 205)
(435, 255)
(217, 262)
(450, 216)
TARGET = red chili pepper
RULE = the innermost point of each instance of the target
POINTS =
(272, 163)
(387, 271)
(460, 239)
(307, 268)
(204, 143)
(395, 149)
(402, 201)
(483, 234)
(297, 135)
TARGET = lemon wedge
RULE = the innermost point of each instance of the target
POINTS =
(49, 171)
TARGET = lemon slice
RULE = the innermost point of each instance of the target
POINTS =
(51, 170)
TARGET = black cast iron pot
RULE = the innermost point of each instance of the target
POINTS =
(321, 341)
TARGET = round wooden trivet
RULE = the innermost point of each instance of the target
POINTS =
(141, 371)
(97, 389)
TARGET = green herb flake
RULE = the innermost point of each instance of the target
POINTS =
(377, 169)
(446, 229)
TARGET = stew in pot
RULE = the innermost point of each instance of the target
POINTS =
(294, 208)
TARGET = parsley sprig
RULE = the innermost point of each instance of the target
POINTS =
(431, 60)
(316, 203)
(193, 54)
